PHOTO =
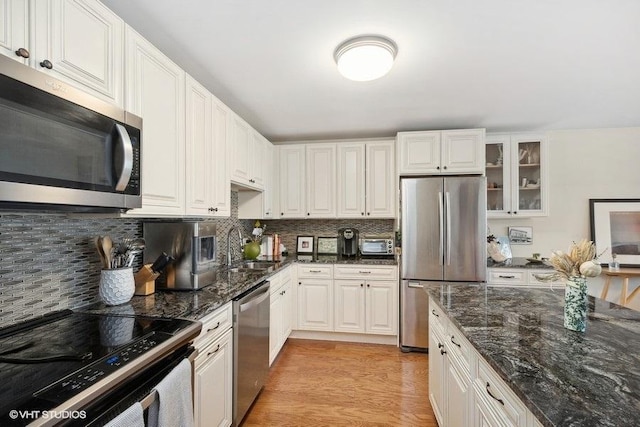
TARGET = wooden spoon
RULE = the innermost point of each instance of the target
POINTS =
(98, 243)
(107, 245)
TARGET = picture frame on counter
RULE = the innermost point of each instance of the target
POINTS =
(615, 228)
(304, 245)
(327, 245)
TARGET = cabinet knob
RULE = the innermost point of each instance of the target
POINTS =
(23, 53)
(215, 209)
(445, 168)
(515, 212)
(299, 283)
(508, 212)
(361, 285)
(362, 213)
(281, 213)
(437, 167)
(46, 64)
(442, 351)
(368, 285)
(308, 214)
(368, 213)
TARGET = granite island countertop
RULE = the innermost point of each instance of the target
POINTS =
(194, 305)
(565, 378)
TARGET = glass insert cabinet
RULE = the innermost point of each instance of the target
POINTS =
(516, 170)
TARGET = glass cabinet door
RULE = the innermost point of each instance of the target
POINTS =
(497, 171)
(528, 183)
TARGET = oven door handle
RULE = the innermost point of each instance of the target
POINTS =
(125, 148)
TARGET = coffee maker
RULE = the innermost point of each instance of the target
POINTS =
(348, 242)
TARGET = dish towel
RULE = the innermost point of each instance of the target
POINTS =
(132, 417)
(174, 405)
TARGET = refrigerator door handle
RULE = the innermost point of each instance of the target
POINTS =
(441, 218)
(448, 211)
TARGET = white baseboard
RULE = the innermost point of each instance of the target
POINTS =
(346, 337)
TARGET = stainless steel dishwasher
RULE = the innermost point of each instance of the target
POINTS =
(251, 312)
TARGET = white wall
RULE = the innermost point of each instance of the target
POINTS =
(583, 165)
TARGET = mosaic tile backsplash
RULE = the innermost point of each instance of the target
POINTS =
(48, 261)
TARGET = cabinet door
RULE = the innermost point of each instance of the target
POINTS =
(83, 41)
(199, 170)
(257, 155)
(240, 148)
(351, 180)
(315, 305)
(482, 414)
(437, 355)
(221, 186)
(287, 307)
(458, 395)
(14, 28)
(321, 181)
(155, 92)
(463, 151)
(275, 325)
(269, 184)
(382, 307)
(419, 152)
(529, 178)
(213, 383)
(381, 180)
(498, 172)
(349, 305)
(292, 181)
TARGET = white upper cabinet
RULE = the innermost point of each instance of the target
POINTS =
(292, 181)
(221, 187)
(351, 180)
(14, 29)
(269, 193)
(321, 180)
(247, 154)
(207, 184)
(517, 176)
(381, 184)
(80, 42)
(366, 179)
(155, 92)
(199, 173)
(441, 152)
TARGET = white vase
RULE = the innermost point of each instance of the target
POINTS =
(116, 286)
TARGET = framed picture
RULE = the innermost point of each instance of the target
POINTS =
(615, 229)
(305, 245)
(521, 235)
(328, 245)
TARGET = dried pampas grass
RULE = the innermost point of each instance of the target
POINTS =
(567, 265)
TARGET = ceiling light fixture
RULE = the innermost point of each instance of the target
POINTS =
(365, 58)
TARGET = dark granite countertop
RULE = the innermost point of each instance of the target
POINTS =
(194, 305)
(565, 378)
(335, 259)
(518, 263)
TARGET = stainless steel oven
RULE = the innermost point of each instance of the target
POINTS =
(62, 148)
(86, 368)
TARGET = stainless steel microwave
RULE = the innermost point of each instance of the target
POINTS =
(61, 148)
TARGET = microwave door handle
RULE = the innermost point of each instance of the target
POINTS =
(126, 148)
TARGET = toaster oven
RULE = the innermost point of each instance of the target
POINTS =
(374, 246)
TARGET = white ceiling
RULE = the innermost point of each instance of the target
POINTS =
(507, 65)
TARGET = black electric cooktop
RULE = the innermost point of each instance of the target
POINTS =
(46, 361)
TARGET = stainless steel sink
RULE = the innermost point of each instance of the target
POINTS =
(254, 267)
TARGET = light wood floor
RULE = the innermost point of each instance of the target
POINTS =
(322, 383)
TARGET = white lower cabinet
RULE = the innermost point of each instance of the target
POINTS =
(213, 370)
(280, 317)
(463, 389)
(315, 297)
(365, 306)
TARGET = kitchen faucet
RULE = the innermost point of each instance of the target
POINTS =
(229, 254)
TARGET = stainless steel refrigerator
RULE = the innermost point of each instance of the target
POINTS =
(444, 227)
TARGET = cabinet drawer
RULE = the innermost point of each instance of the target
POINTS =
(459, 347)
(504, 276)
(315, 271)
(367, 272)
(499, 397)
(214, 325)
(437, 319)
